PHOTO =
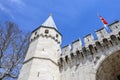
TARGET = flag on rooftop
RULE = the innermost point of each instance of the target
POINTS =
(103, 20)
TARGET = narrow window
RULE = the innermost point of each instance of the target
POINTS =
(66, 58)
(31, 39)
(35, 33)
(38, 74)
(46, 31)
(116, 27)
(57, 35)
(87, 39)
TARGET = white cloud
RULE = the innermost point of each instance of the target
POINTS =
(11, 6)
(5, 10)
(17, 2)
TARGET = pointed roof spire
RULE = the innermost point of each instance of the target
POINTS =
(50, 14)
(49, 22)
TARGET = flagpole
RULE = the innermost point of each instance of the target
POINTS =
(107, 28)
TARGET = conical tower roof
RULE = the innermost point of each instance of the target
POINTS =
(49, 22)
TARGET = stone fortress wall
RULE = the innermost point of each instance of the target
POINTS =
(79, 62)
(97, 59)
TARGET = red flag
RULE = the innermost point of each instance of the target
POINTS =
(103, 20)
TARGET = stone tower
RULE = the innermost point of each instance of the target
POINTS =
(43, 53)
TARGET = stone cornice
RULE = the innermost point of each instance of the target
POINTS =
(40, 58)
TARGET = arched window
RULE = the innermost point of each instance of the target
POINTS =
(61, 61)
(57, 35)
(91, 49)
(105, 43)
(98, 44)
(84, 51)
(46, 31)
(78, 57)
(72, 56)
(78, 54)
(66, 59)
(61, 65)
(35, 33)
(111, 42)
(114, 39)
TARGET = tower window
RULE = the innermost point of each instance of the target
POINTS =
(31, 39)
(46, 31)
(57, 35)
(35, 33)
(87, 39)
(38, 74)
(116, 26)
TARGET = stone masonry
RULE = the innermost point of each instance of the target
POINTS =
(95, 59)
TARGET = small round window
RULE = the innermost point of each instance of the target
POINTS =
(35, 33)
(46, 31)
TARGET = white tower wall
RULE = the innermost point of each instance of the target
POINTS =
(43, 53)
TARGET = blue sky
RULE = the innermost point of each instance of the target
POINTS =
(74, 18)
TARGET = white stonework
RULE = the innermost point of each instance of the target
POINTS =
(98, 59)
(41, 62)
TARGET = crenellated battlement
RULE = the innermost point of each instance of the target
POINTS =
(92, 47)
(46, 32)
(98, 58)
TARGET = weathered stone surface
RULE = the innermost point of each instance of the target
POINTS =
(98, 59)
